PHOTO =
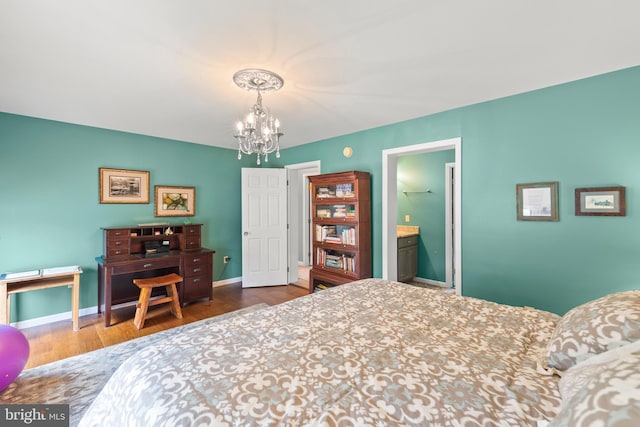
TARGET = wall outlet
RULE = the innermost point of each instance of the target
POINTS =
(226, 259)
(407, 218)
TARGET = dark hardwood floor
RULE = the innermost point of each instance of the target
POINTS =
(56, 341)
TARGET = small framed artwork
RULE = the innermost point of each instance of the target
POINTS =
(600, 201)
(124, 186)
(537, 201)
(175, 201)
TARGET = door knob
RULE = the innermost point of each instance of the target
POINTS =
(246, 233)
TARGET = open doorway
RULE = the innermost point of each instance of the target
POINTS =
(299, 218)
(424, 218)
(389, 203)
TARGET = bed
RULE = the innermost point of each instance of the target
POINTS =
(369, 353)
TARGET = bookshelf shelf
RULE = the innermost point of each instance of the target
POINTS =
(341, 212)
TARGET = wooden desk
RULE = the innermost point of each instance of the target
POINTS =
(14, 286)
(116, 274)
(125, 258)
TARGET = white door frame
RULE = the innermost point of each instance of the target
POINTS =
(390, 205)
(448, 239)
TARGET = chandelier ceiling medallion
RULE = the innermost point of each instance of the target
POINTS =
(259, 132)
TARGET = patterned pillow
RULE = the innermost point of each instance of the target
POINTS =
(594, 327)
(604, 395)
(578, 376)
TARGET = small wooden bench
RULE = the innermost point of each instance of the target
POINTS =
(146, 286)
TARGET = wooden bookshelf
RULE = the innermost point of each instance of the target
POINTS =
(341, 228)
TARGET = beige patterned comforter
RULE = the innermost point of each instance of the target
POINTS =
(368, 353)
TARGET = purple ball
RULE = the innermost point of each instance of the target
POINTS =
(14, 353)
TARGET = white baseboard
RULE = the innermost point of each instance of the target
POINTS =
(227, 281)
(431, 282)
(23, 324)
(58, 317)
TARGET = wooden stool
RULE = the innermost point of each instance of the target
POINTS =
(146, 286)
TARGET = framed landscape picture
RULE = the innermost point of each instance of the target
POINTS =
(175, 201)
(537, 201)
(123, 186)
(600, 201)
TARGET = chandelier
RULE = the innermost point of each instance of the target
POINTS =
(260, 132)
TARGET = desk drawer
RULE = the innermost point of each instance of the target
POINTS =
(197, 287)
(197, 270)
(192, 242)
(145, 265)
(192, 230)
(118, 242)
(197, 260)
(117, 233)
(118, 250)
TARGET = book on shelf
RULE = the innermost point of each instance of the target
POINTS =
(323, 212)
(339, 211)
(335, 260)
(324, 286)
(324, 192)
(331, 260)
(344, 190)
(335, 234)
(320, 256)
(322, 231)
(348, 236)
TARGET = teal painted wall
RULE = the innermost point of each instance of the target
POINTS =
(51, 215)
(416, 174)
(582, 134)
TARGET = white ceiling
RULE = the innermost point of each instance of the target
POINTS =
(164, 67)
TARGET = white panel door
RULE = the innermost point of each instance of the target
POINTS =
(264, 227)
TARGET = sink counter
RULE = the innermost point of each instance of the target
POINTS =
(407, 230)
